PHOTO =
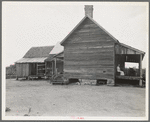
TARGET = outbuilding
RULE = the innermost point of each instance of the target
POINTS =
(32, 64)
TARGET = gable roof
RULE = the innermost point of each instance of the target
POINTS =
(103, 30)
(81, 23)
(38, 52)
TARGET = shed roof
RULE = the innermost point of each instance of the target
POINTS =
(31, 60)
(50, 57)
(59, 55)
(129, 47)
(38, 52)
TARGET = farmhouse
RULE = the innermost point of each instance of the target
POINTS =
(32, 64)
(90, 52)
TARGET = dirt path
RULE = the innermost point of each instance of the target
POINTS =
(45, 99)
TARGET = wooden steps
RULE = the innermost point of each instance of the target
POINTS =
(58, 79)
(129, 77)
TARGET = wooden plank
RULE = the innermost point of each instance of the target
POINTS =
(114, 64)
(140, 65)
(91, 47)
(91, 43)
(89, 25)
(55, 65)
(71, 54)
(36, 68)
(77, 38)
(88, 50)
(84, 58)
(100, 72)
(90, 34)
(84, 76)
(88, 74)
(88, 62)
(86, 40)
(23, 69)
(128, 77)
(52, 68)
(88, 66)
(90, 30)
(18, 68)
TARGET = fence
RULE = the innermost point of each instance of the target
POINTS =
(11, 72)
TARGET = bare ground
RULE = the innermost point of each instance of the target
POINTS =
(45, 99)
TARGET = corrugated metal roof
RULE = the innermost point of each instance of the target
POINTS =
(31, 60)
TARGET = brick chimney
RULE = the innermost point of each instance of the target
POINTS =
(89, 10)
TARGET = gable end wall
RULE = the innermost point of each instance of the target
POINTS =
(89, 53)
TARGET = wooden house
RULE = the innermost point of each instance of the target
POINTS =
(32, 64)
(91, 52)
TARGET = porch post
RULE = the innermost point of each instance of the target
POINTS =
(52, 68)
(140, 70)
(55, 66)
(114, 64)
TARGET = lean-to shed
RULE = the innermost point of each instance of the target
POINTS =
(32, 64)
(55, 60)
(91, 52)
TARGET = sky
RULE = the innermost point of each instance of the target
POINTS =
(31, 24)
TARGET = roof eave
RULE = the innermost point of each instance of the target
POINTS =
(142, 52)
(86, 16)
(72, 30)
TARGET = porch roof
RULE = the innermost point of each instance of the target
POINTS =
(31, 60)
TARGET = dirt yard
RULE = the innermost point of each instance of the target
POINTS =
(45, 99)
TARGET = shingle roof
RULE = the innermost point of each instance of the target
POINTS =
(38, 52)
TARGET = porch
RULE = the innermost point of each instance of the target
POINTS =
(131, 65)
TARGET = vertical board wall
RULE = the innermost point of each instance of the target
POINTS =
(22, 69)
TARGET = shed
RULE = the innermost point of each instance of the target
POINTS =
(91, 52)
(56, 63)
(32, 64)
(55, 60)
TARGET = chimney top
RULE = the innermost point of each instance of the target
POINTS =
(89, 10)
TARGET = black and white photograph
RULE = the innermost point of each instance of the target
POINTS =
(75, 60)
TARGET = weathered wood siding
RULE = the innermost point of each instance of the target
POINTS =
(119, 49)
(22, 70)
(59, 67)
(89, 53)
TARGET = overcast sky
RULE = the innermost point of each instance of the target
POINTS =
(31, 24)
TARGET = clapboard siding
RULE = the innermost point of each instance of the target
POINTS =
(89, 53)
(89, 62)
(88, 50)
(88, 76)
(102, 44)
